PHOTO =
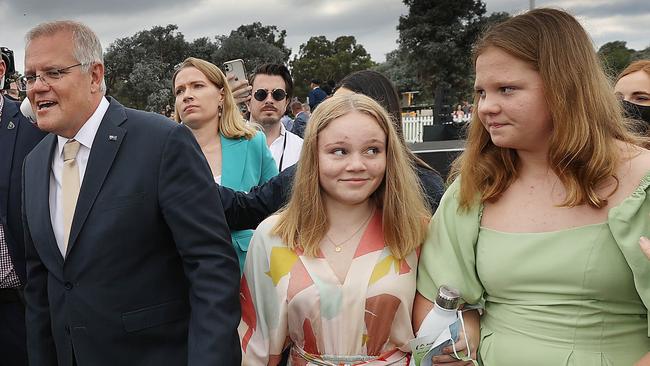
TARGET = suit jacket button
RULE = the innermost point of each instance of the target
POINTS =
(67, 329)
(67, 285)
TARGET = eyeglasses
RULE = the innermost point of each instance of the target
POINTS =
(48, 78)
(277, 94)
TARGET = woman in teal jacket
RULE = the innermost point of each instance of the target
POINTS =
(236, 152)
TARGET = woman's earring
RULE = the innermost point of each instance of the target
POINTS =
(220, 109)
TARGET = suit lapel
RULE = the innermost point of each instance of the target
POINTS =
(107, 142)
(8, 132)
(233, 158)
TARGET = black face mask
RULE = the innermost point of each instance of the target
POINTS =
(636, 111)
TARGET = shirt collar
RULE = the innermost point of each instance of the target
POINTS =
(87, 132)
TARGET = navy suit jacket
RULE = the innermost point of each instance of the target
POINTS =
(150, 276)
(17, 138)
(316, 96)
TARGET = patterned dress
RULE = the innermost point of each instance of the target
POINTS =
(290, 299)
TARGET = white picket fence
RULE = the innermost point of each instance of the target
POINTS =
(412, 127)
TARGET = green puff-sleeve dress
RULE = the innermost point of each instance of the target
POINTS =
(578, 296)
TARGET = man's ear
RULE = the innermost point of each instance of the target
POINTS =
(97, 75)
(3, 68)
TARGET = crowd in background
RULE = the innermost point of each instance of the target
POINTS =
(131, 239)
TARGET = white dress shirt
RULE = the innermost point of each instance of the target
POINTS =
(85, 136)
(288, 152)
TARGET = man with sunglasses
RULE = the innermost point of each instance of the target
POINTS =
(272, 87)
(129, 258)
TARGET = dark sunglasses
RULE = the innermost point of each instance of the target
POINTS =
(277, 94)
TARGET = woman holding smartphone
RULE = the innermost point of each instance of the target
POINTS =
(332, 276)
(236, 152)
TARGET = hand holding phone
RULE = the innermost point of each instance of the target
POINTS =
(236, 75)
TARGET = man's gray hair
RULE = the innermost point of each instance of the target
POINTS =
(86, 47)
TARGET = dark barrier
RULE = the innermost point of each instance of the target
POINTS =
(438, 154)
(444, 132)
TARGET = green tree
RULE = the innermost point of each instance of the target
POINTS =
(615, 56)
(203, 48)
(327, 60)
(255, 43)
(267, 33)
(437, 37)
(642, 54)
(140, 66)
(399, 71)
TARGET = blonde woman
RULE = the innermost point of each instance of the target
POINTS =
(551, 197)
(236, 152)
(332, 276)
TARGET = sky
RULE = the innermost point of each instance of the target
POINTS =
(372, 22)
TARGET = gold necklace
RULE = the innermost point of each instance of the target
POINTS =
(337, 247)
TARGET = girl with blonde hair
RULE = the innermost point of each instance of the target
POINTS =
(542, 221)
(332, 275)
(236, 152)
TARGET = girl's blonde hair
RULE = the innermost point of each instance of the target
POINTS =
(231, 123)
(586, 116)
(303, 222)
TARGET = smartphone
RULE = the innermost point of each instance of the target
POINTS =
(235, 67)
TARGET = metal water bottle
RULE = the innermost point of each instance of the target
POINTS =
(443, 314)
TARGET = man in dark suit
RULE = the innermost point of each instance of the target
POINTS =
(129, 259)
(17, 138)
(316, 94)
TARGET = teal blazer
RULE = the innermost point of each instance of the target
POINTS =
(245, 164)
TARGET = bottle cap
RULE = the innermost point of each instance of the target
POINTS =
(448, 298)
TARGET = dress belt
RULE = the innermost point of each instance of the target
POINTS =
(350, 360)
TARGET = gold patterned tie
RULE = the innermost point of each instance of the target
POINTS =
(70, 187)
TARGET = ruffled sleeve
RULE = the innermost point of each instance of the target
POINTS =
(449, 252)
(628, 222)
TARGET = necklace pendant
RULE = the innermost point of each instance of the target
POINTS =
(337, 249)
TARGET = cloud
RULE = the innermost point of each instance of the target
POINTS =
(372, 22)
(605, 20)
(75, 8)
